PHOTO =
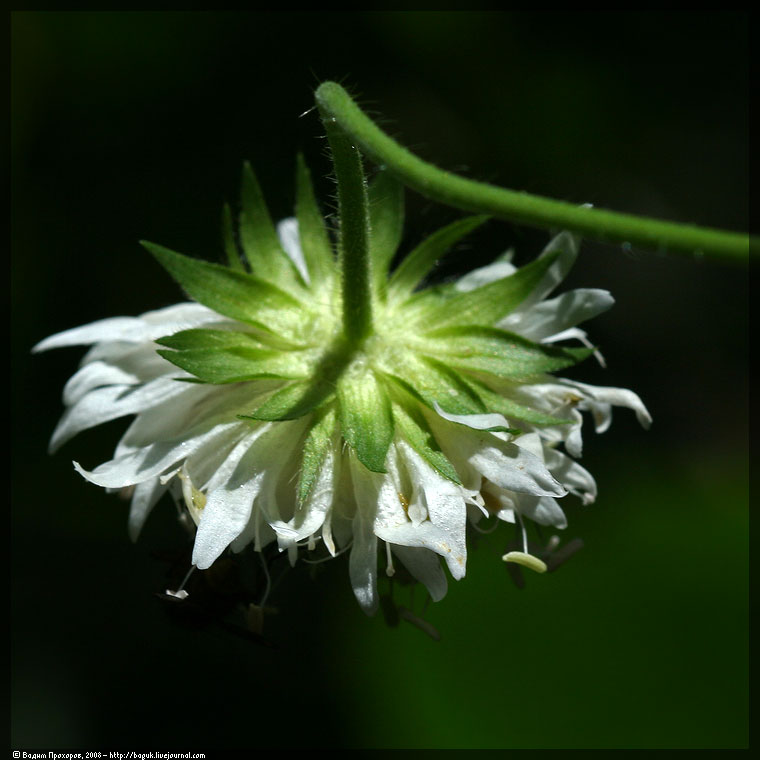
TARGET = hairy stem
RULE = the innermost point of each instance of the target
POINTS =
(353, 247)
(451, 189)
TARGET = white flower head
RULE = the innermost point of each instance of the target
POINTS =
(254, 413)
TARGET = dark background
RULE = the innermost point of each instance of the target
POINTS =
(134, 125)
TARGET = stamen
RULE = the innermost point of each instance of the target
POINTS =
(526, 560)
(164, 479)
(390, 571)
(329, 556)
(269, 580)
(180, 593)
(485, 532)
(524, 532)
(423, 625)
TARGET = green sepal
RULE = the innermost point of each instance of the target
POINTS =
(234, 294)
(315, 242)
(228, 240)
(224, 356)
(498, 352)
(489, 303)
(199, 337)
(235, 365)
(417, 264)
(292, 401)
(495, 402)
(319, 439)
(258, 236)
(386, 215)
(414, 429)
(431, 382)
(366, 419)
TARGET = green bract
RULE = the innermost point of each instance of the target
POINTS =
(429, 347)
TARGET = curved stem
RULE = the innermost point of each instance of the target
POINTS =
(470, 195)
(353, 235)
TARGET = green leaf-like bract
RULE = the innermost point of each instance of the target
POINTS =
(386, 214)
(431, 382)
(365, 417)
(258, 236)
(224, 356)
(234, 294)
(496, 402)
(293, 401)
(498, 352)
(228, 240)
(417, 264)
(319, 440)
(315, 242)
(485, 305)
(416, 432)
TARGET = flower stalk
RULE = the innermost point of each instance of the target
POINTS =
(523, 208)
(353, 235)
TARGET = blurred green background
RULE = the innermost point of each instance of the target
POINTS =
(134, 125)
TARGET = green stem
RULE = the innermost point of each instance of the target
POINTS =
(598, 224)
(353, 235)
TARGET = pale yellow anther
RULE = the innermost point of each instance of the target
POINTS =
(195, 500)
(526, 560)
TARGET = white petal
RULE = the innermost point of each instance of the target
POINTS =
(547, 318)
(287, 230)
(109, 403)
(575, 333)
(443, 501)
(327, 535)
(362, 564)
(379, 497)
(574, 436)
(474, 421)
(150, 461)
(615, 397)
(115, 328)
(310, 518)
(187, 315)
(514, 468)
(484, 275)
(445, 505)
(506, 464)
(531, 442)
(194, 404)
(541, 509)
(97, 374)
(424, 567)
(229, 505)
(208, 467)
(568, 244)
(273, 449)
(143, 500)
(577, 479)
(149, 326)
(565, 241)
